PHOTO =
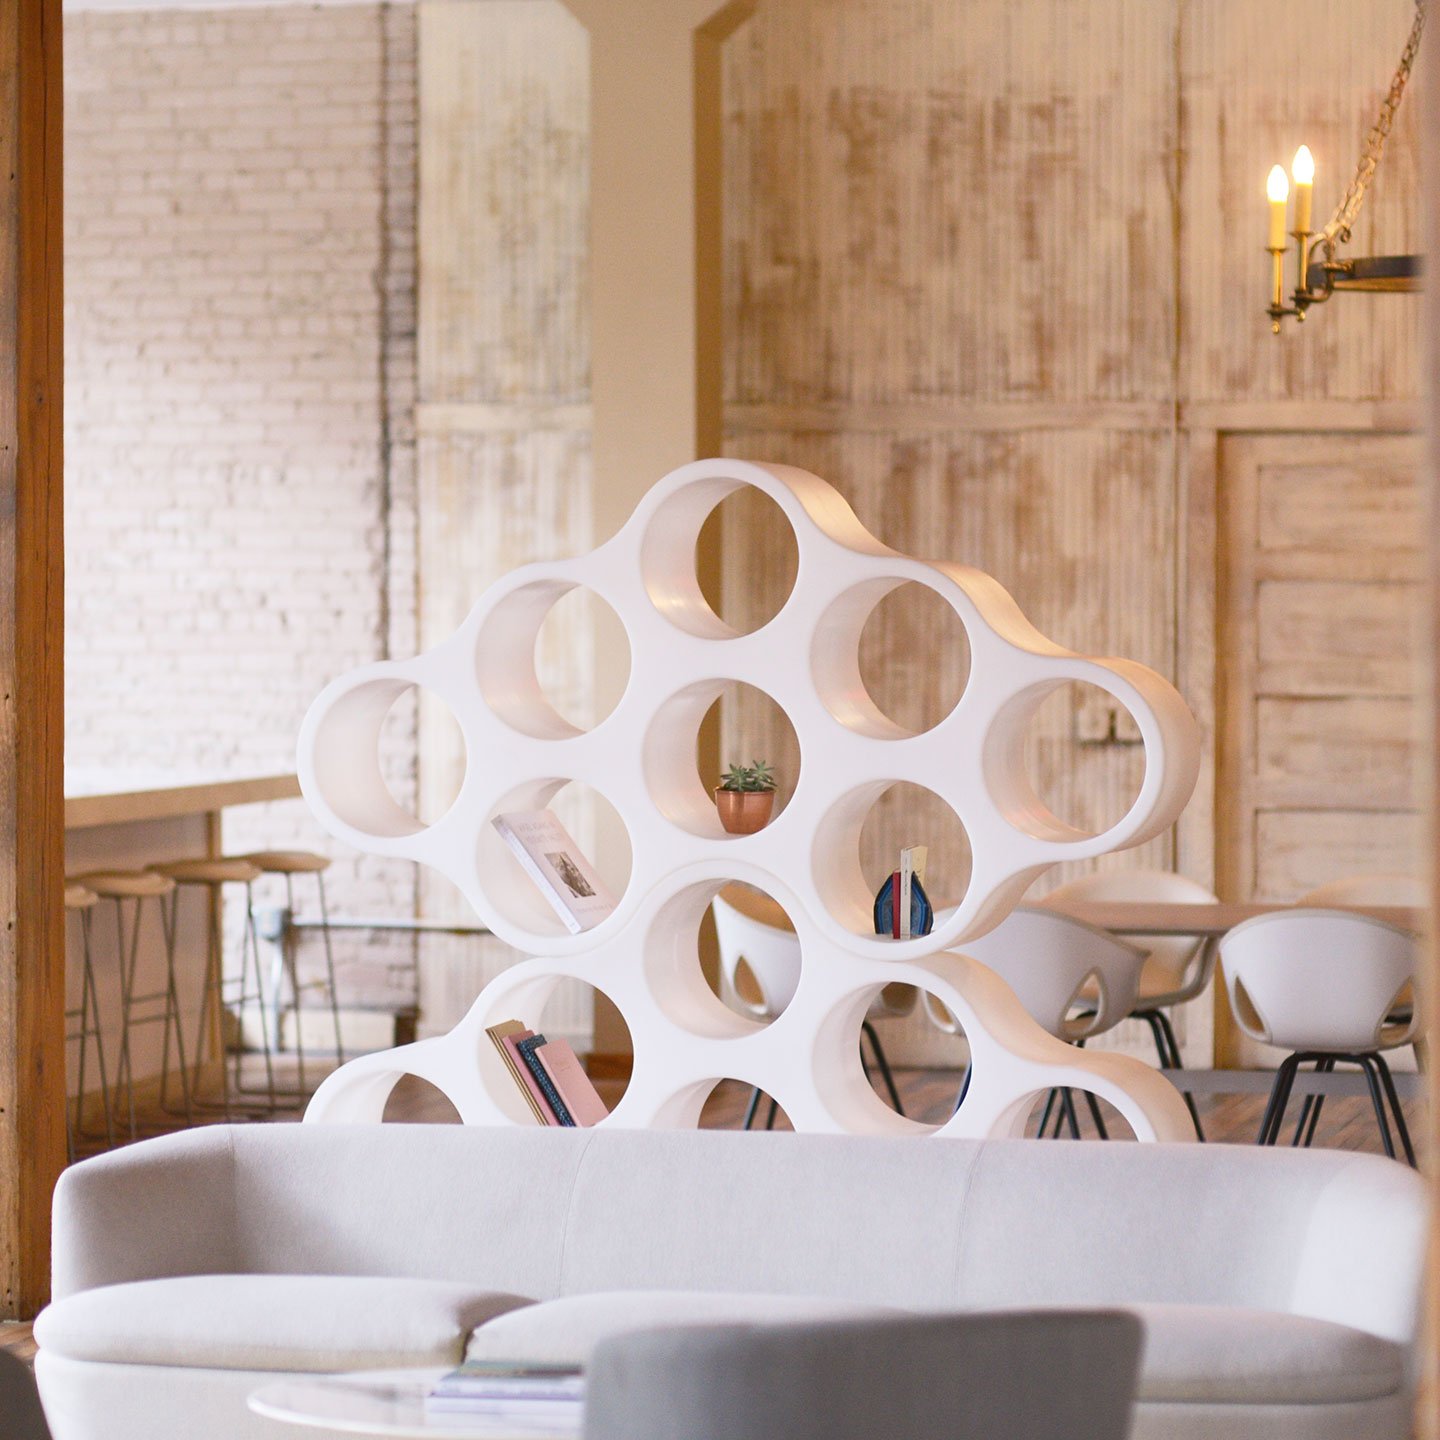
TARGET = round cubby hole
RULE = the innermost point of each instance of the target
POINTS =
(720, 559)
(1068, 758)
(365, 758)
(734, 1105)
(552, 659)
(598, 841)
(859, 844)
(892, 658)
(757, 952)
(745, 722)
(1075, 1115)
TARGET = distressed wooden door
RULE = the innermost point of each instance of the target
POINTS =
(1321, 561)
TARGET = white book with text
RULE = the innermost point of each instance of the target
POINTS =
(558, 866)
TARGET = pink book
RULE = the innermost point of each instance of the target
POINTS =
(568, 1076)
(512, 1049)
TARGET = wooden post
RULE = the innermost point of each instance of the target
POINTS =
(32, 837)
(1427, 1426)
(655, 274)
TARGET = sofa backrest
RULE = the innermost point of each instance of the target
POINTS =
(928, 1224)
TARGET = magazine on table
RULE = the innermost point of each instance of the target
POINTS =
(549, 1393)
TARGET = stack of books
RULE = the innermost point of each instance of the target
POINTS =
(549, 1397)
(549, 1075)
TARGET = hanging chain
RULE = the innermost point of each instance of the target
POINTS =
(1346, 211)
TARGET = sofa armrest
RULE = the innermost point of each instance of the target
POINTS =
(166, 1207)
(1360, 1257)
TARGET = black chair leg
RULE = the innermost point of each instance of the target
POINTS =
(770, 1114)
(1050, 1100)
(1067, 1103)
(1279, 1098)
(1095, 1115)
(1377, 1099)
(1168, 1049)
(752, 1108)
(1388, 1081)
(869, 1030)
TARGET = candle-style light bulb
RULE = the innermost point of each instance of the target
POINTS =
(1277, 188)
(1303, 169)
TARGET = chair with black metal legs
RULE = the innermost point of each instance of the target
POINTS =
(79, 902)
(137, 1009)
(289, 864)
(1074, 980)
(205, 879)
(1323, 984)
(760, 970)
(1177, 968)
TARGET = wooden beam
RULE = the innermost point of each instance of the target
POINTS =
(32, 858)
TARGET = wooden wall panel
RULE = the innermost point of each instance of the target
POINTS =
(960, 201)
(504, 452)
(1253, 91)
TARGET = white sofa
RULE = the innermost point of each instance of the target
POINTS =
(1279, 1289)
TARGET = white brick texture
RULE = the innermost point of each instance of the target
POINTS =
(240, 377)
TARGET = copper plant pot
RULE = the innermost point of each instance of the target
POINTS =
(743, 812)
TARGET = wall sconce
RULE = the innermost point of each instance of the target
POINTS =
(1319, 272)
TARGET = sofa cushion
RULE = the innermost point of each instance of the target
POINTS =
(567, 1330)
(271, 1322)
(1238, 1356)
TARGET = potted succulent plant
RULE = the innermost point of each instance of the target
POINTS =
(745, 797)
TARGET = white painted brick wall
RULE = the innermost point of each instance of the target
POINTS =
(240, 375)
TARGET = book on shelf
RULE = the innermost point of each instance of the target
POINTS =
(527, 1048)
(548, 1075)
(497, 1070)
(561, 869)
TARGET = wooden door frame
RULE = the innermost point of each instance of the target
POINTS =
(32, 818)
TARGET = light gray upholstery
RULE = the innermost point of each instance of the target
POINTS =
(567, 1331)
(961, 1377)
(1270, 1281)
(272, 1322)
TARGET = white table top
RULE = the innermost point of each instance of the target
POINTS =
(1150, 917)
(388, 1403)
(111, 797)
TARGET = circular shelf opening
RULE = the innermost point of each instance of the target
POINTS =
(759, 959)
(414, 1101)
(573, 1011)
(577, 858)
(732, 1103)
(1066, 759)
(859, 842)
(849, 1076)
(686, 535)
(1075, 1115)
(891, 658)
(552, 659)
(750, 726)
(365, 758)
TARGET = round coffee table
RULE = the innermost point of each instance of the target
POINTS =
(390, 1403)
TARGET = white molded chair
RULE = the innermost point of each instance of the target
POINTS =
(1074, 980)
(1323, 984)
(760, 970)
(1177, 967)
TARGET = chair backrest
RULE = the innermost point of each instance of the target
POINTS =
(1189, 962)
(759, 960)
(1314, 979)
(1006, 1376)
(1367, 890)
(21, 1417)
(1046, 958)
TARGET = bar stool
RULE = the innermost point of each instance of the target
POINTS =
(291, 863)
(79, 901)
(138, 886)
(210, 875)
